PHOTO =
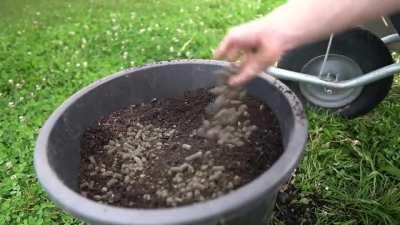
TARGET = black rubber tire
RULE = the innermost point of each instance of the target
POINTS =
(367, 50)
(396, 21)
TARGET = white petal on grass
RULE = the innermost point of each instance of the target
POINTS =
(9, 165)
(125, 55)
(21, 118)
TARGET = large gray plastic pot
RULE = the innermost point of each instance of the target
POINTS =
(57, 152)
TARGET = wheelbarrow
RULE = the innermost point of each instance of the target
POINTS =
(348, 74)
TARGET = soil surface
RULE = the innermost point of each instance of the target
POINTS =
(150, 156)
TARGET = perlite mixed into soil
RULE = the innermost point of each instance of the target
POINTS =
(172, 152)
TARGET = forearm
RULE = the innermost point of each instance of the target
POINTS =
(309, 20)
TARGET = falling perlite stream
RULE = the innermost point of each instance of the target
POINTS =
(228, 120)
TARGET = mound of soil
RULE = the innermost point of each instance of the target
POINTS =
(149, 155)
(294, 207)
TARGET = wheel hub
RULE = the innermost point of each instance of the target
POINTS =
(337, 68)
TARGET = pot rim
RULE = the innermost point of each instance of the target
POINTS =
(234, 201)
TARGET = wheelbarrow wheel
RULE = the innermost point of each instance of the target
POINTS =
(352, 54)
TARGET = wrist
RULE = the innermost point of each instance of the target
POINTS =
(286, 27)
(278, 38)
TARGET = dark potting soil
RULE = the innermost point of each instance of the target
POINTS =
(294, 207)
(149, 156)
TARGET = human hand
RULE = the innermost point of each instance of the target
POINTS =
(257, 45)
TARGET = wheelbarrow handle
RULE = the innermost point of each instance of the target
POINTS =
(363, 80)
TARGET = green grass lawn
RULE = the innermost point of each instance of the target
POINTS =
(50, 49)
